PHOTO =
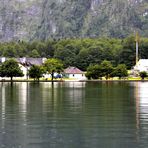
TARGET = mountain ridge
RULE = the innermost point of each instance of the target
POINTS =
(43, 19)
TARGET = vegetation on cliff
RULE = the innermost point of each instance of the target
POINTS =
(42, 19)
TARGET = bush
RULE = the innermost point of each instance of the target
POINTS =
(143, 74)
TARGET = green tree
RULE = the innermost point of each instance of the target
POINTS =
(67, 50)
(93, 72)
(53, 65)
(36, 72)
(9, 51)
(65, 55)
(83, 59)
(10, 68)
(128, 53)
(34, 53)
(143, 46)
(106, 68)
(120, 71)
(143, 74)
(49, 48)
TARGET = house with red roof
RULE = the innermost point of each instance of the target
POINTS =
(74, 73)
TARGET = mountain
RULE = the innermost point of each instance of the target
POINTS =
(43, 19)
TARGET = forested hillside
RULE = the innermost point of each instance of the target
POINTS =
(42, 19)
(80, 52)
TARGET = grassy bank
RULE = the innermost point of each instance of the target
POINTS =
(77, 80)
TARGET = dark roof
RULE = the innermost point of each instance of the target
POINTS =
(34, 61)
(19, 60)
(73, 70)
(28, 61)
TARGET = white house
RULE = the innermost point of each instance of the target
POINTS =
(142, 65)
(74, 73)
(25, 71)
(25, 64)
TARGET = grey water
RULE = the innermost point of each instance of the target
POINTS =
(74, 115)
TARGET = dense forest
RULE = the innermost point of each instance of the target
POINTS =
(80, 52)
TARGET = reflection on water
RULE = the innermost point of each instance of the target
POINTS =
(141, 93)
(74, 114)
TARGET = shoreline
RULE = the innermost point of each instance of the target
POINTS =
(74, 81)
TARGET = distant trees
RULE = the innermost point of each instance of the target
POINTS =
(80, 52)
(10, 68)
(97, 71)
(94, 72)
(120, 71)
(105, 69)
(128, 52)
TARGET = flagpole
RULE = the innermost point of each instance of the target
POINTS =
(137, 44)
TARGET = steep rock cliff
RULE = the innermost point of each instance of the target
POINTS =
(42, 19)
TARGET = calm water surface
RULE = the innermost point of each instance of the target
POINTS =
(74, 115)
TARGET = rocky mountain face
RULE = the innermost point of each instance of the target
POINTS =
(19, 19)
(42, 19)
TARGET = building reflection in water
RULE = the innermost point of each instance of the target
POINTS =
(22, 98)
(45, 111)
(76, 93)
(13, 108)
(54, 95)
(50, 96)
(3, 106)
(141, 95)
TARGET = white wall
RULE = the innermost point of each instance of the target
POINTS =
(142, 65)
(77, 76)
(24, 69)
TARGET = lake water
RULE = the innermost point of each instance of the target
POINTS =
(74, 115)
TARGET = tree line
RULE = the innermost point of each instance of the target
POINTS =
(106, 69)
(80, 52)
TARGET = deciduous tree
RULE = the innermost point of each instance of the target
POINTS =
(106, 68)
(143, 74)
(94, 72)
(120, 71)
(53, 65)
(36, 72)
(10, 68)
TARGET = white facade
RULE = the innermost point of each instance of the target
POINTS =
(24, 61)
(142, 65)
(74, 73)
(24, 69)
(77, 76)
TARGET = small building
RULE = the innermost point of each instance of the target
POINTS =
(74, 73)
(25, 64)
(142, 65)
